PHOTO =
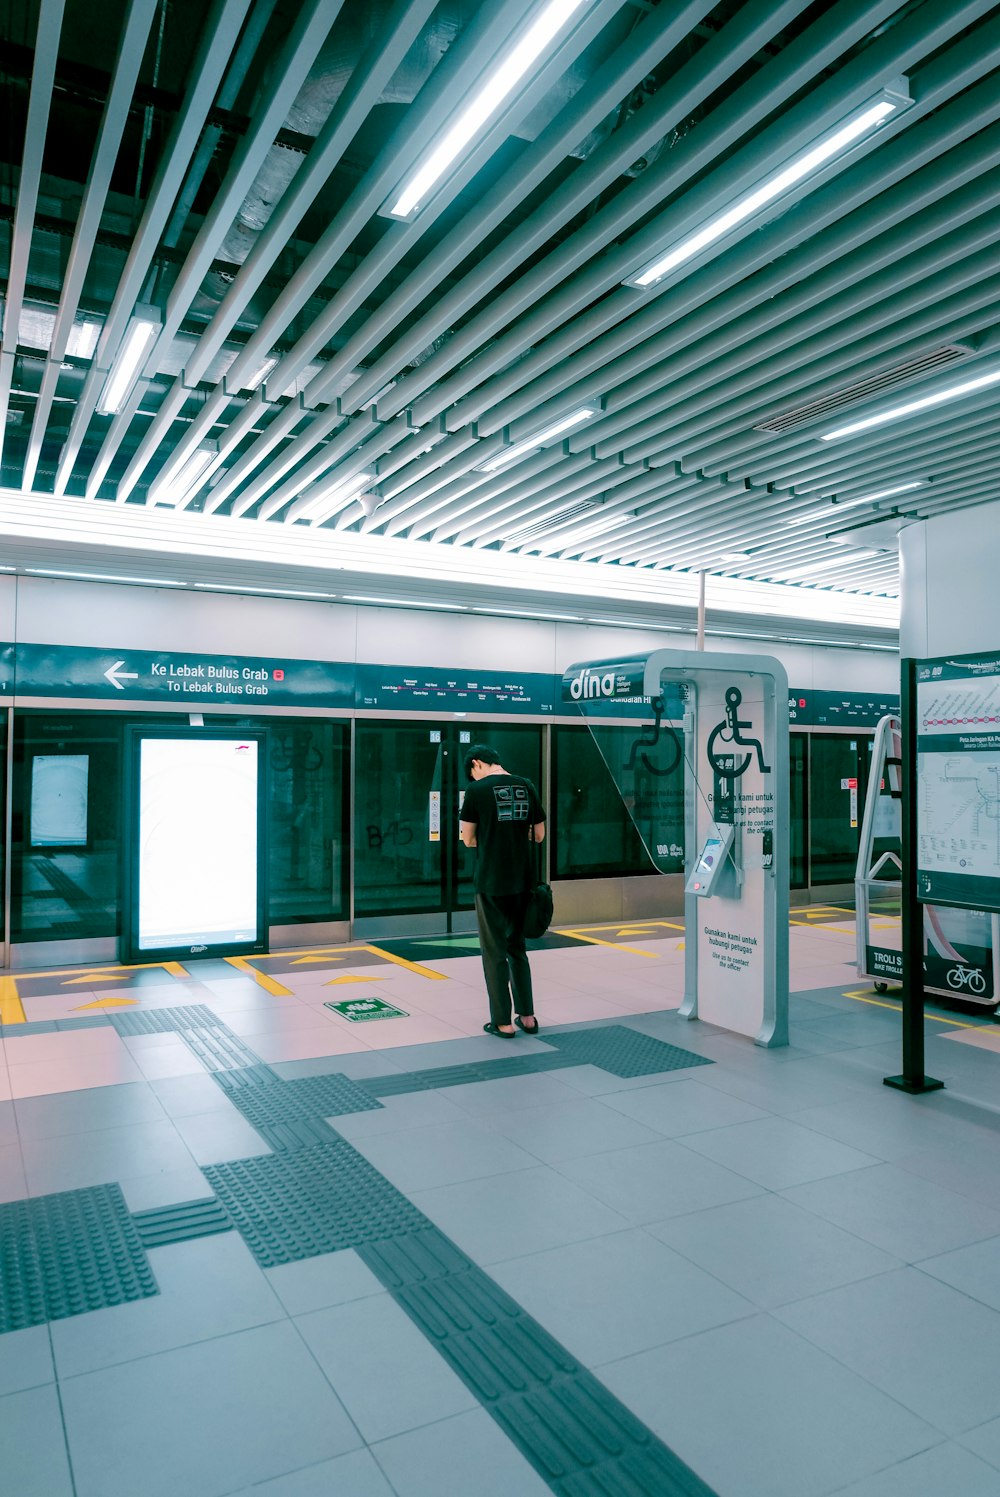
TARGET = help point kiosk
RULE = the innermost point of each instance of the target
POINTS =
(728, 717)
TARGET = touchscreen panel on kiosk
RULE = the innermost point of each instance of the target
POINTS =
(711, 861)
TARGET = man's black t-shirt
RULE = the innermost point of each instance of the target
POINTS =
(503, 808)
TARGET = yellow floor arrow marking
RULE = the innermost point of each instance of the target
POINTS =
(350, 978)
(615, 945)
(267, 983)
(92, 977)
(109, 1003)
(11, 1007)
(400, 961)
(302, 961)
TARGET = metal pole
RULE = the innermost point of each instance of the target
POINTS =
(912, 1078)
(700, 641)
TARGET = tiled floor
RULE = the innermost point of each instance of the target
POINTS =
(787, 1271)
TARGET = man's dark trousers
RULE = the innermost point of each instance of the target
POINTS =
(505, 961)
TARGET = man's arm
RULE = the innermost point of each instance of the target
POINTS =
(467, 831)
(538, 831)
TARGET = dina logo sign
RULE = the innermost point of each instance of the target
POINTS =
(587, 684)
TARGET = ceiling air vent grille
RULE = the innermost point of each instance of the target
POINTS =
(876, 384)
(532, 532)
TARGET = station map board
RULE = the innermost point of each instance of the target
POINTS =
(958, 781)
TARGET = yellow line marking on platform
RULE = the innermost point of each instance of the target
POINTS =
(267, 983)
(11, 1007)
(400, 961)
(615, 945)
(862, 997)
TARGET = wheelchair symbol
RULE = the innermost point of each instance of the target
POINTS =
(726, 764)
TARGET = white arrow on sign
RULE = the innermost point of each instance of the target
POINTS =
(116, 675)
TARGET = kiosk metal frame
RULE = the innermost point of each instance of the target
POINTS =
(737, 796)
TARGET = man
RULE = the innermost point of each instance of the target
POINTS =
(502, 818)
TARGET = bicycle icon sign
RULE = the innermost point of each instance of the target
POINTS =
(961, 979)
(726, 764)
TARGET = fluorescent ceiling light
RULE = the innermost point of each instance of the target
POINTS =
(524, 613)
(325, 498)
(897, 412)
(837, 504)
(144, 327)
(531, 444)
(281, 592)
(189, 476)
(401, 602)
(8, 569)
(98, 576)
(488, 95)
(261, 374)
(735, 556)
(863, 121)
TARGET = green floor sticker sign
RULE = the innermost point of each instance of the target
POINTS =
(360, 1009)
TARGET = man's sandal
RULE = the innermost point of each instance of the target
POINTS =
(500, 1033)
(521, 1027)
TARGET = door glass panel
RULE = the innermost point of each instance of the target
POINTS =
(65, 843)
(833, 841)
(799, 808)
(309, 846)
(409, 779)
(397, 847)
(594, 835)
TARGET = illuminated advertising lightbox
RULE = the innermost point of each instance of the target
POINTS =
(197, 842)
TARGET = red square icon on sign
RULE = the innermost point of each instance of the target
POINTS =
(278, 674)
(802, 701)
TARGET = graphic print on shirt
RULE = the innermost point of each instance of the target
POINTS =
(511, 802)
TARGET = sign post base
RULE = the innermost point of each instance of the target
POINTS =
(913, 1084)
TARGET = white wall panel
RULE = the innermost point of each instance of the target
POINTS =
(50, 611)
(951, 597)
(8, 596)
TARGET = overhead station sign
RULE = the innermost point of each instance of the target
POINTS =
(180, 676)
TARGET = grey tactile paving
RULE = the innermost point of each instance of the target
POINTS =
(296, 1204)
(51, 1026)
(263, 1098)
(166, 1224)
(300, 1133)
(622, 1051)
(166, 1020)
(66, 1253)
(399, 1083)
(575, 1434)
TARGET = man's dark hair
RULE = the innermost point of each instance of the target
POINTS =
(484, 753)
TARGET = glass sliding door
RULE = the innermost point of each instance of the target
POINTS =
(838, 769)
(411, 871)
